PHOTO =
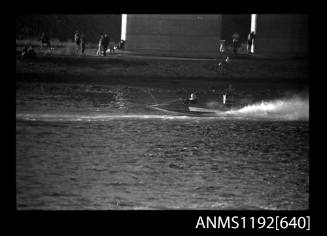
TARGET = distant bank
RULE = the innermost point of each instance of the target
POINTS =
(137, 69)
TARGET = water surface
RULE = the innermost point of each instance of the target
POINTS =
(101, 147)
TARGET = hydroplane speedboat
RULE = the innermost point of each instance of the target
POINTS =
(195, 108)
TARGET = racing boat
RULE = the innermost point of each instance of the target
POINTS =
(195, 108)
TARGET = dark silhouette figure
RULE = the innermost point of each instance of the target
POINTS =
(251, 37)
(83, 42)
(45, 40)
(77, 39)
(236, 42)
(121, 44)
(105, 44)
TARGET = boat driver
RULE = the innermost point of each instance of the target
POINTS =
(192, 99)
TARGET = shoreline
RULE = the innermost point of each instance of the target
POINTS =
(143, 71)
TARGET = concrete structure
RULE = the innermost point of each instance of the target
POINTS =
(189, 35)
(240, 23)
(279, 34)
(199, 35)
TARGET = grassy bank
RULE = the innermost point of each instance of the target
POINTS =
(124, 66)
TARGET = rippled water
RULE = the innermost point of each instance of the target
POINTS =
(101, 147)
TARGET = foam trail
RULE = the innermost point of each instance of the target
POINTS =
(289, 109)
(103, 117)
(294, 108)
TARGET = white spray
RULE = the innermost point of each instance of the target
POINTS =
(295, 108)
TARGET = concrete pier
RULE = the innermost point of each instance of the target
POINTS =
(195, 35)
(174, 35)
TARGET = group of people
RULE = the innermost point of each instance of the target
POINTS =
(80, 42)
(104, 43)
(28, 52)
(236, 42)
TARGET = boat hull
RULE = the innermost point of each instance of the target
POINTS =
(192, 110)
(201, 109)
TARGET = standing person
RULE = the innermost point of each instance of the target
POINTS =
(45, 40)
(250, 41)
(228, 97)
(112, 47)
(227, 60)
(99, 52)
(83, 42)
(222, 45)
(121, 44)
(77, 39)
(222, 64)
(236, 39)
(105, 44)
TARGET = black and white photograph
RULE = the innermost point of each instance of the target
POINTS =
(146, 112)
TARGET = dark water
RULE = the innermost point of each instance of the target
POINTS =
(100, 147)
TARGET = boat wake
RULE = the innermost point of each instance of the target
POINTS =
(281, 109)
(295, 108)
(103, 117)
